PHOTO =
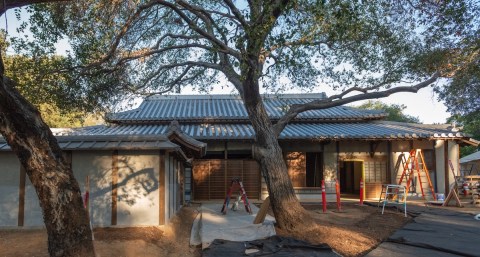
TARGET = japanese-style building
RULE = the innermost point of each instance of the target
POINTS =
(146, 162)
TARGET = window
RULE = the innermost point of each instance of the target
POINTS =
(375, 171)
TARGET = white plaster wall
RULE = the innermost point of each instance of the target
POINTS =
(137, 201)
(401, 146)
(98, 166)
(352, 147)
(440, 165)
(453, 155)
(33, 213)
(330, 162)
(168, 165)
(9, 189)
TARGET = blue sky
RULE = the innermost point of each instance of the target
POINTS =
(424, 104)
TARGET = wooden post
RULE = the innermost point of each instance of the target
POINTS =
(445, 161)
(324, 197)
(262, 213)
(114, 186)
(21, 197)
(161, 188)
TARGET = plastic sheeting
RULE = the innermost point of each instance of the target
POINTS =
(273, 246)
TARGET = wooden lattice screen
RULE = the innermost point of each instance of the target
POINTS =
(211, 178)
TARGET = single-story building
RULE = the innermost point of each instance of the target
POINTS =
(470, 164)
(141, 174)
(133, 179)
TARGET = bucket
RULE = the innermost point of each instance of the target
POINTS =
(440, 197)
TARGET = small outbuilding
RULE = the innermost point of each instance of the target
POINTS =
(470, 164)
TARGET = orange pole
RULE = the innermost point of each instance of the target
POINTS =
(337, 191)
(361, 191)
(324, 197)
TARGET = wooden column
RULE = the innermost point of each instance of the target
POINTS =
(114, 186)
(389, 162)
(21, 197)
(161, 188)
(445, 161)
(434, 166)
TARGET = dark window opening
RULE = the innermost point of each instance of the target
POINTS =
(350, 174)
(239, 154)
(214, 155)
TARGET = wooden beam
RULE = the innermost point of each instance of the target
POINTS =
(161, 188)
(114, 186)
(21, 197)
(445, 161)
(434, 164)
(389, 162)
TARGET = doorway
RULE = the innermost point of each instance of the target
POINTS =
(350, 174)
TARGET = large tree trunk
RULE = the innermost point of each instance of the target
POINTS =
(32, 141)
(289, 214)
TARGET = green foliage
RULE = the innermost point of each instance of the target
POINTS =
(471, 125)
(121, 48)
(394, 111)
(38, 80)
(56, 118)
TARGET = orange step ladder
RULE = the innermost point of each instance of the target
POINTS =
(412, 166)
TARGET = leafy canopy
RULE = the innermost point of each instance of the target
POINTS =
(125, 48)
(46, 89)
(394, 111)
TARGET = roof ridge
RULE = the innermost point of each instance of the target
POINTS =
(236, 96)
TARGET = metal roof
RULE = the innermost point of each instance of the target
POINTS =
(218, 108)
(372, 130)
(472, 157)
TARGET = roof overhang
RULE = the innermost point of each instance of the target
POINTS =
(189, 144)
(470, 141)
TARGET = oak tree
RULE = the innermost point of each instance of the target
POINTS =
(37, 149)
(364, 49)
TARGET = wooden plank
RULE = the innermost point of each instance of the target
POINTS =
(21, 197)
(114, 186)
(161, 188)
(262, 213)
(447, 172)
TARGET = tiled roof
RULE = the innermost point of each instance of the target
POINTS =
(227, 108)
(109, 142)
(322, 131)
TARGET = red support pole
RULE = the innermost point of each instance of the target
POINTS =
(324, 197)
(337, 191)
(361, 191)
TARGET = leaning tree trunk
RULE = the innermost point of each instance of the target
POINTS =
(59, 194)
(289, 214)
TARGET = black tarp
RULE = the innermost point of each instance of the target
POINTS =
(273, 246)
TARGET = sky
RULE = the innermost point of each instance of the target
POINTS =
(423, 104)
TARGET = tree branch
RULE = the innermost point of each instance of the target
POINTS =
(237, 13)
(9, 4)
(200, 31)
(331, 102)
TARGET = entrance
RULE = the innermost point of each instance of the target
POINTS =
(350, 174)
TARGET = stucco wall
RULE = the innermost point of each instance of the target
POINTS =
(33, 212)
(9, 190)
(137, 201)
(98, 166)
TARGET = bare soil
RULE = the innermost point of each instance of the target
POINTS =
(354, 231)
(113, 242)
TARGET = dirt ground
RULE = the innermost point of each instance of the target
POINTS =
(113, 242)
(353, 232)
